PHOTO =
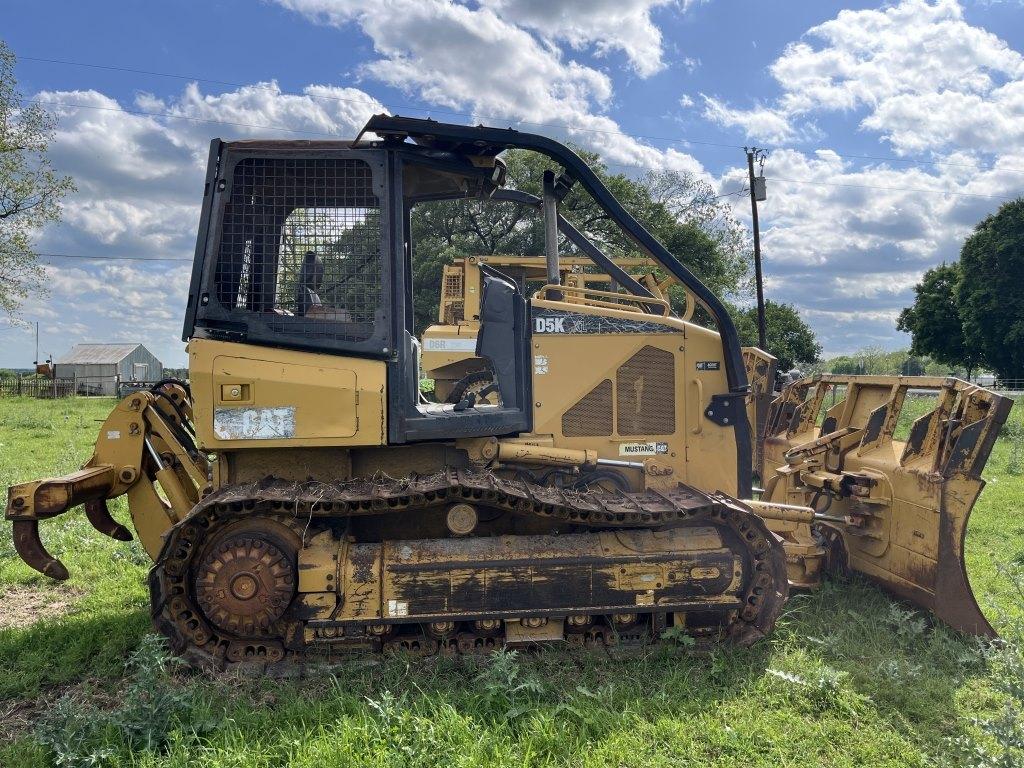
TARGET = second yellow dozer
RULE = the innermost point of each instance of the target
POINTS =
(301, 499)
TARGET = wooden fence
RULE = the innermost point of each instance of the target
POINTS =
(33, 386)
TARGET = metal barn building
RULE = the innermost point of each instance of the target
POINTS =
(97, 369)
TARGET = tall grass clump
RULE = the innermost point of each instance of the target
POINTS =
(1000, 742)
(1015, 434)
(79, 732)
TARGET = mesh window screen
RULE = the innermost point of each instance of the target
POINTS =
(301, 247)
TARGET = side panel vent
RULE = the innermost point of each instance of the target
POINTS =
(592, 415)
(645, 388)
(452, 302)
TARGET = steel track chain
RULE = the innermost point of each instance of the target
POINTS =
(303, 508)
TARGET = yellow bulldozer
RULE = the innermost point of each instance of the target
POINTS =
(448, 357)
(449, 361)
(300, 498)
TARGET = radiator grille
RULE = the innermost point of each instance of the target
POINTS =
(301, 246)
(645, 387)
(592, 415)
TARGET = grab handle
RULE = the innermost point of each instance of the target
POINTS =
(698, 425)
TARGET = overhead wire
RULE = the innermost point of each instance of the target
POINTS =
(370, 101)
(430, 110)
(886, 189)
(171, 115)
(46, 255)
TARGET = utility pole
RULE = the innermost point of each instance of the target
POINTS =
(757, 192)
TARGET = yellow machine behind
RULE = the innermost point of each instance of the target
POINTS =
(592, 483)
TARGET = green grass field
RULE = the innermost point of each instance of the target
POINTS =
(848, 679)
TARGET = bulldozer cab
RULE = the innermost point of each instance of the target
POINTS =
(308, 246)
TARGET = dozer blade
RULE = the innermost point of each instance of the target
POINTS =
(895, 510)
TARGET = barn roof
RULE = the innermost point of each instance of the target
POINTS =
(97, 353)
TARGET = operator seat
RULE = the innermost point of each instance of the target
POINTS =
(311, 275)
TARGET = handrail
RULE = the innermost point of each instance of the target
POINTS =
(698, 425)
(624, 301)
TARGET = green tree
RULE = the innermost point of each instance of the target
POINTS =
(30, 190)
(991, 289)
(679, 210)
(875, 361)
(789, 338)
(847, 365)
(913, 366)
(934, 321)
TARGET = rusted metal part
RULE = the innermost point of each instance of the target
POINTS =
(328, 612)
(42, 499)
(383, 495)
(144, 442)
(895, 511)
(97, 513)
(954, 601)
(245, 582)
(30, 548)
(28, 503)
(760, 367)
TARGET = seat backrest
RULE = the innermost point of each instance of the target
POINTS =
(502, 335)
(311, 275)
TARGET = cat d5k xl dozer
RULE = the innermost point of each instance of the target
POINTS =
(300, 497)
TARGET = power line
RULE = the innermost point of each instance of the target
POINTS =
(918, 161)
(392, 106)
(213, 121)
(171, 115)
(432, 110)
(98, 258)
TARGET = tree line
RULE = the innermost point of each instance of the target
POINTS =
(682, 211)
(970, 313)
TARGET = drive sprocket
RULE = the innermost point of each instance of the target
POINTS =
(245, 583)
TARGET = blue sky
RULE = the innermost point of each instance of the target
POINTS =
(932, 90)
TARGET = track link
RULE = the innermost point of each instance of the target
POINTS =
(298, 511)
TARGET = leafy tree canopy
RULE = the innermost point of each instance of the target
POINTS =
(934, 321)
(789, 338)
(875, 361)
(971, 313)
(30, 190)
(680, 210)
(991, 290)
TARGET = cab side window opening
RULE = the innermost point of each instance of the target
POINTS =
(301, 247)
(443, 231)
